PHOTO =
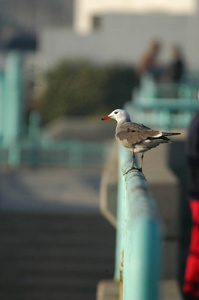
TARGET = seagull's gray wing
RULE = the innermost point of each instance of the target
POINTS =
(133, 133)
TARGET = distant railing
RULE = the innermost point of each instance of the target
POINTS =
(138, 238)
(163, 105)
(36, 149)
(47, 152)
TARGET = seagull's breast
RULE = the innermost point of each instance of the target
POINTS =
(124, 142)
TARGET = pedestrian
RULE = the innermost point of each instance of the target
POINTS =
(148, 63)
(176, 67)
(191, 277)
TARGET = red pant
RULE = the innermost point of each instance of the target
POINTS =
(191, 278)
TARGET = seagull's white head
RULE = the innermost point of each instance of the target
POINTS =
(120, 115)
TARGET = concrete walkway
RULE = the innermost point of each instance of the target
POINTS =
(49, 189)
(55, 244)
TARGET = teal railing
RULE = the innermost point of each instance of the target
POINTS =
(138, 237)
(21, 144)
(35, 148)
(163, 105)
(49, 152)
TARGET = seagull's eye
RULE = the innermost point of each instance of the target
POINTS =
(116, 112)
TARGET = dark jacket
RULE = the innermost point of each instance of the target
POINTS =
(192, 152)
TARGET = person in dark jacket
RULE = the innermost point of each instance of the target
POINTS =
(177, 65)
(191, 277)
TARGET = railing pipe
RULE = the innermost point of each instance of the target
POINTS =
(120, 223)
(138, 236)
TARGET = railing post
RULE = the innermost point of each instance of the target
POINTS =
(34, 136)
(12, 107)
(138, 239)
(1, 105)
(12, 98)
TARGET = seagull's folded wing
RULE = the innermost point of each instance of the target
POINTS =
(136, 133)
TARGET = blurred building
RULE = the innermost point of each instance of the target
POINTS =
(21, 21)
(87, 12)
(106, 31)
(118, 31)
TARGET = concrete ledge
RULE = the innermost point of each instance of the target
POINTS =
(170, 290)
(108, 187)
(164, 187)
(170, 258)
(109, 290)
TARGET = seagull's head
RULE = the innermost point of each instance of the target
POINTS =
(120, 115)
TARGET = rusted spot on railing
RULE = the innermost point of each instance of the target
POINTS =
(121, 274)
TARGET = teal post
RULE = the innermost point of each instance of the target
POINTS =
(1, 106)
(34, 136)
(13, 106)
(75, 153)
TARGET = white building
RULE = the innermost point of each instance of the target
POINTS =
(85, 11)
(117, 31)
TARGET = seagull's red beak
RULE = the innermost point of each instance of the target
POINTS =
(105, 118)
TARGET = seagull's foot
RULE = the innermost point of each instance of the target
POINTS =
(133, 170)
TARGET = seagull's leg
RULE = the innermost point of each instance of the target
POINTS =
(132, 168)
(133, 156)
(141, 162)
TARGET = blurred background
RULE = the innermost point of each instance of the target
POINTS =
(63, 65)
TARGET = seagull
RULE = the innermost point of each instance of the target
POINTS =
(136, 137)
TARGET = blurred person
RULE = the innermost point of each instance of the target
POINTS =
(191, 277)
(148, 62)
(176, 68)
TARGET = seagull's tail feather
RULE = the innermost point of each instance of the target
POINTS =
(170, 133)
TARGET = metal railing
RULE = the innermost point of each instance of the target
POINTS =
(35, 148)
(164, 106)
(138, 237)
(47, 152)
